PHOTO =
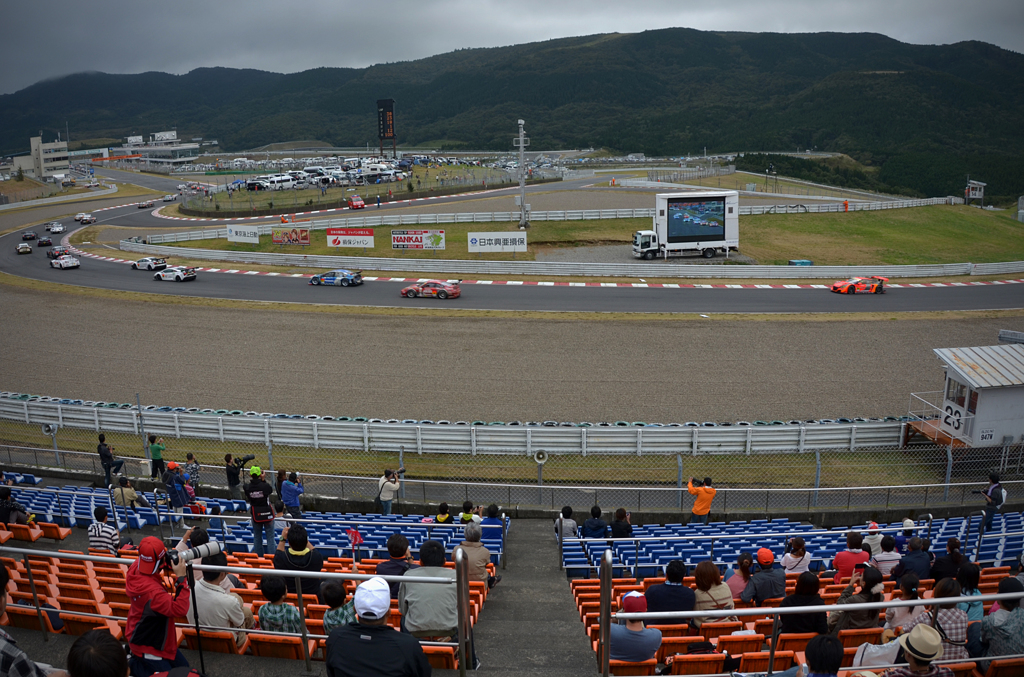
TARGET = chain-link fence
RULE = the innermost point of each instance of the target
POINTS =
(759, 480)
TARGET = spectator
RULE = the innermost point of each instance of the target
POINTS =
(886, 560)
(845, 561)
(94, 654)
(824, 655)
(107, 459)
(896, 616)
(280, 520)
(156, 456)
(400, 561)
(915, 560)
(197, 536)
(671, 595)
(339, 612)
(12, 512)
(431, 610)
(872, 589)
(595, 527)
(279, 481)
(621, 526)
(969, 577)
(952, 621)
(705, 493)
(152, 637)
(126, 496)
(14, 661)
(796, 560)
(993, 496)
(174, 484)
(387, 489)
(258, 494)
(370, 648)
(468, 514)
(921, 646)
(741, 574)
(443, 515)
(903, 539)
(217, 607)
(926, 548)
(493, 524)
(711, 593)
(233, 470)
(278, 615)
(1001, 633)
(633, 642)
(874, 538)
(299, 556)
(805, 594)
(477, 556)
(192, 469)
(767, 582)
(291, 489)
(568, 524)
(104, 536)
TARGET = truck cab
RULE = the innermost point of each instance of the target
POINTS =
(645, 244)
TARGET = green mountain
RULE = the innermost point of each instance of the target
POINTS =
(923, 116)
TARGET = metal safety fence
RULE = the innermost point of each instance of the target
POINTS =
(756, 467)
(462, 639)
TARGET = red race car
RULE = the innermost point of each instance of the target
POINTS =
(434, 288)
(356, 202)
(861, 285)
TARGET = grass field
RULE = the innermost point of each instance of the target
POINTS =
(917, 235)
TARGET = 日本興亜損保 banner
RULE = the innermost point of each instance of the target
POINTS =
(350, 237)
(496, 242)
(417, 239)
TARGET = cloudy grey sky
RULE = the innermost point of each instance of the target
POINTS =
(57, 37)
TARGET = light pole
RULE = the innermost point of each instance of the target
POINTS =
(522, 142)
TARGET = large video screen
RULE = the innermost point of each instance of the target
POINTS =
(696, 220)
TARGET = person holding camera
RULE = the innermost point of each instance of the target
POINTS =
(258, 492)
(152, 636)
(126, 496)
(993, 495)
(705, 493)
(387, 489)
(233, 468)
(106, 453)
(291, 489)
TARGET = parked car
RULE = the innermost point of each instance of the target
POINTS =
(149, 263)
(356, 202)
(176, 273)
(44, 241)
(28, 235)
(88, 218)
(861, 285)
(24, 248)
(434, 289)
(338, 278)
(66, 261)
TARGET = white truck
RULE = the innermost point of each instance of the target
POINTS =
(695, 222)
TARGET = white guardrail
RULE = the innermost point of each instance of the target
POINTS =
(462, 439)
(492, 268)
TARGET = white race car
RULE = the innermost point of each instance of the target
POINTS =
(87, 218)
(66, 261)
(170, 198)
(79, 215)
(56, 228)
(176, 273)
(149, 263)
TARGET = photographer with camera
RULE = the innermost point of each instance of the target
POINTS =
(705, 493)
(258, 493)
(233, 468)
(152, 637)
(387, 489)
(993, 495)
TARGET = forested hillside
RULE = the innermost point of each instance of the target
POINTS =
(925, 116)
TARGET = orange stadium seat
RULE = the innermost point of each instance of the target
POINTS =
(628, 668)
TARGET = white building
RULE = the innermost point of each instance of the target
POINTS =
(44, 159)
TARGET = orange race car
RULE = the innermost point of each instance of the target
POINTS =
(435, 289)
(861, 285)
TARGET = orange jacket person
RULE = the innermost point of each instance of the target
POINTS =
(705, 493)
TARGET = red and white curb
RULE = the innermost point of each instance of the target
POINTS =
(156, 212)
(524, 283)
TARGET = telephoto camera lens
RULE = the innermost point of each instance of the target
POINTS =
(175, 556)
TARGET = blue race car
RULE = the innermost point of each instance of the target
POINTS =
(338, 278)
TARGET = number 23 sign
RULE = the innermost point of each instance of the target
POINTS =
(953, 417)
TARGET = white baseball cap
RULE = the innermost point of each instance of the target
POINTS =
(373, 598)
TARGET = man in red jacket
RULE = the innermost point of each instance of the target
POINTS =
(152, 637)
(845, 562)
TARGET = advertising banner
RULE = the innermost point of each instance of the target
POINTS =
(134, 139)
(165, 136)
(350, 237)
(250, 234)
(290, 235)
(417, 239)
(497, 242)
